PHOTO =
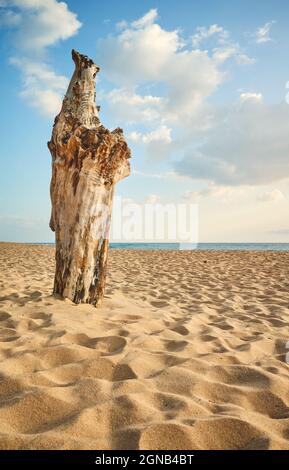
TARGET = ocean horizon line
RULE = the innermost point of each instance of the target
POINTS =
(202, 246)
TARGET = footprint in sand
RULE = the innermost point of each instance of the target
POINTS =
(110, 344)
(7, 335)
(159, 303)
(174, 346)
(104, 369)
(4, 315)
(181, 330)
(39, 316)
(106, 344)
(268, 403)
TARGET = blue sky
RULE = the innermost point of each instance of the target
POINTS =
(199, 88)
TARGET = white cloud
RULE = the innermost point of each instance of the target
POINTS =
(221, 54)
(232, 50)
(227, 48)
(146, 20)
(271, 196)
(158, 143)
(203, 33)
(127, 105)
(47, 101)
(161, 134)
(42, 23)
(36, 72)
(262, 35)
(247, 144)
(42, 88)
(39, 24)
(145, 53)
(138, 54)
(214, 192)
(244, 59)
(245, 96)
(195, 196)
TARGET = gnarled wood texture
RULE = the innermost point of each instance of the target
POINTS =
(87, 161)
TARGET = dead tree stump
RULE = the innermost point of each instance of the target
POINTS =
(87, 161)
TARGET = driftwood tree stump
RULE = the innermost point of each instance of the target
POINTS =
(87, 161)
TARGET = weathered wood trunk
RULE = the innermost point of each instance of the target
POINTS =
(87, 161)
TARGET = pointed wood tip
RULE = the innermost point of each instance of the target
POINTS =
(83, 60)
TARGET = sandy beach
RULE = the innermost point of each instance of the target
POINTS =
(188, 352)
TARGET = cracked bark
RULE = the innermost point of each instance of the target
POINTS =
(87, 161)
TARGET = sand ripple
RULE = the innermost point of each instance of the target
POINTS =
(187, 352)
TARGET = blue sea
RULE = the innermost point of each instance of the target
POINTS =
(199, 246)
(203, 246)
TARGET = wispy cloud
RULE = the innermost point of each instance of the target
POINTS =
(38, 24)
(203, 33)
(165, 175)
(161, 134)
(271, 196)
(248, 95)
(212, 191)
(146, 20)
(42, 88)
(262, 35)
(226, 47)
